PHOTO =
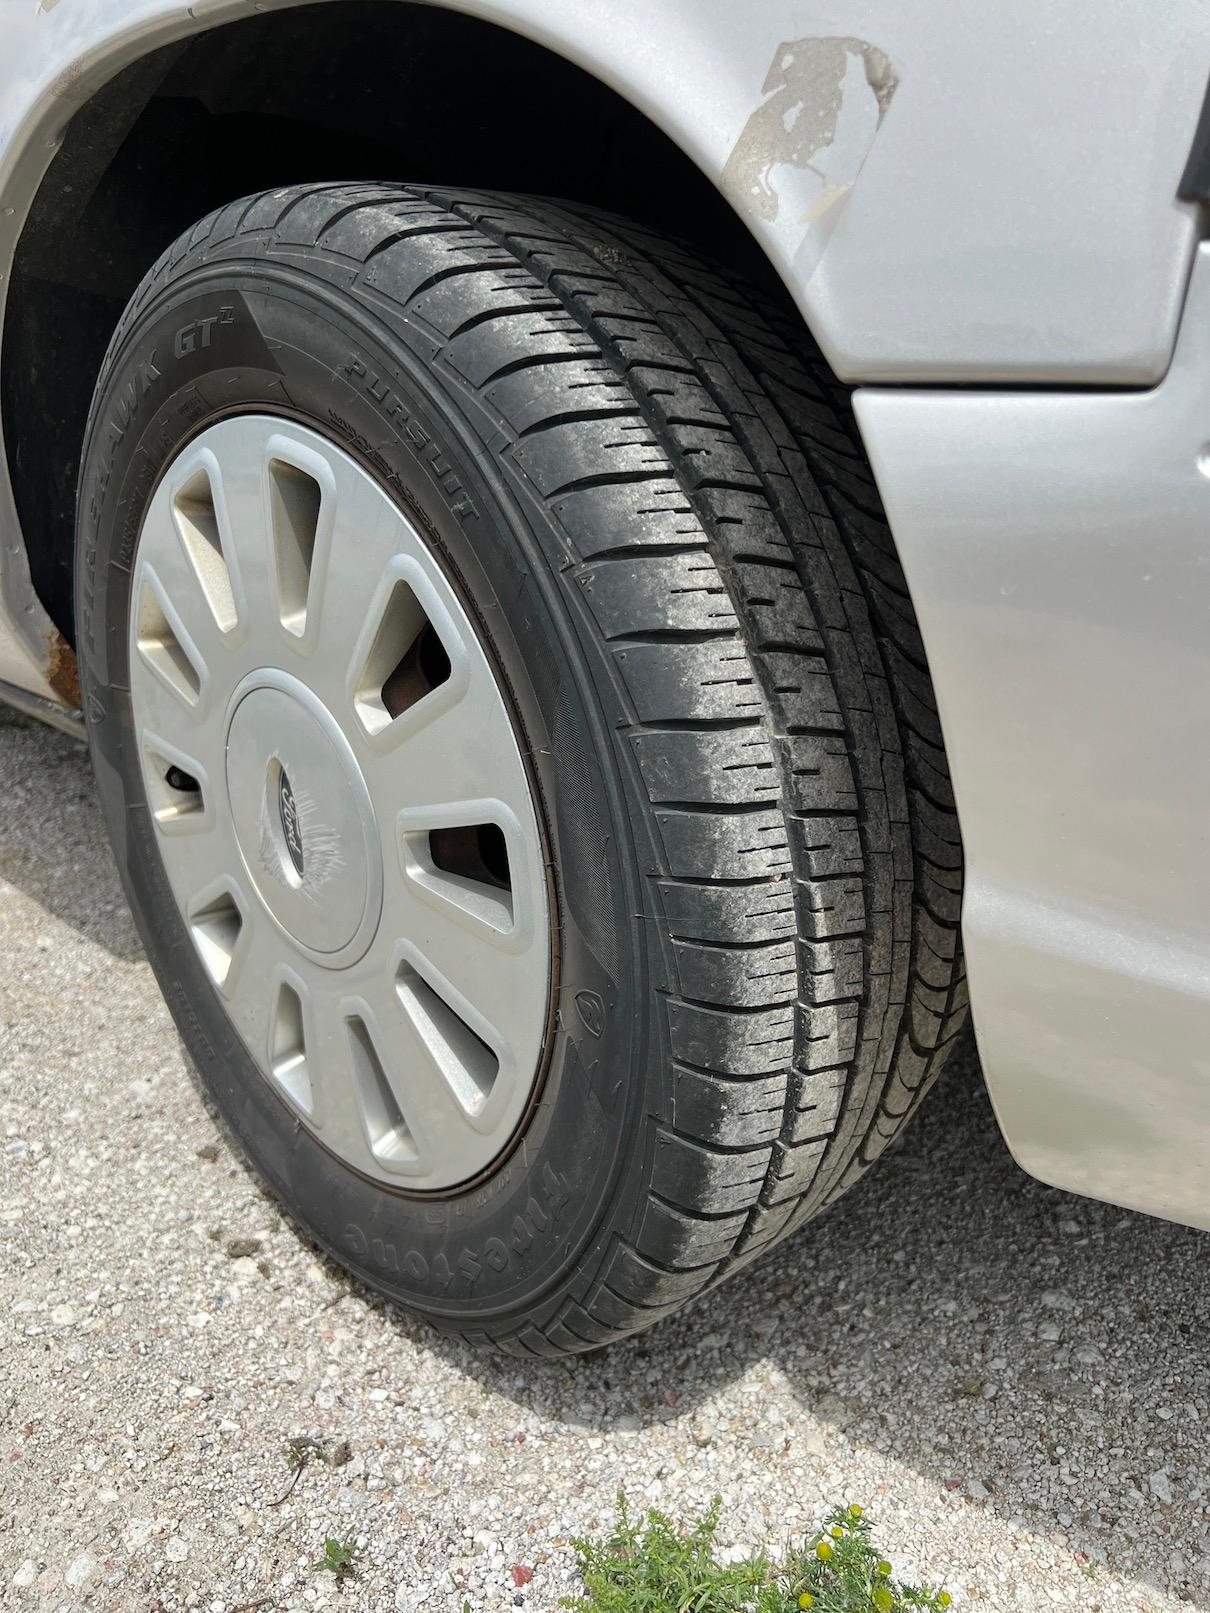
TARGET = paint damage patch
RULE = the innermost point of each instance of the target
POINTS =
(805, 144)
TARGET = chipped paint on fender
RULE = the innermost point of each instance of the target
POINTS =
(824, 101)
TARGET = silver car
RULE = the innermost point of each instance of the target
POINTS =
(582, 540)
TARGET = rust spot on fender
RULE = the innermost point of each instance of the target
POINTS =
(824, 100)
(62, 672)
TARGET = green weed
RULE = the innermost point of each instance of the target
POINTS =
(653, 1567)
(338, 1558)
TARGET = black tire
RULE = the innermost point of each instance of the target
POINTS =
(653, 494)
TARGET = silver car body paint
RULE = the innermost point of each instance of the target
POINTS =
(1056, 549)
(957, 199)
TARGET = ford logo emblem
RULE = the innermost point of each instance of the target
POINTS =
(290, 827)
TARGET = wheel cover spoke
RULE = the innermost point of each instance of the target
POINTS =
(341, 803)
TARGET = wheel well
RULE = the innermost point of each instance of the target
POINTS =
(346, 89)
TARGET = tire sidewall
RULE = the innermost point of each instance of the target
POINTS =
(243, 339)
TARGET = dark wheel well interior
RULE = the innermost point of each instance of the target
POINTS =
(356, 89)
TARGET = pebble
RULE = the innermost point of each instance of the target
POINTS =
(81, 1571)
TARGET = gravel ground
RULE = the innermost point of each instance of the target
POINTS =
(1015, 1382)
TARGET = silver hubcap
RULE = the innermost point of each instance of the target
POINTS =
(342, 806)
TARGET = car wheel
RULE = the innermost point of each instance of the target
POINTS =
(516, 743)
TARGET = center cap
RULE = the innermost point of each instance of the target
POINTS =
(303, 819)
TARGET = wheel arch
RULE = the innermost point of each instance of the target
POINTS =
(134, 127)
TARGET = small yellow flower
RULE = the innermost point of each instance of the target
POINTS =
(884, 1568)
(883, 1600)
(854, 1511)
(806, 1600)
(837, 1532)
(944, 1599)
(824, 1551)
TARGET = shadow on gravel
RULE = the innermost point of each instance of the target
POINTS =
(1046, 1356)
(52, 842)
(1036, 1352)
